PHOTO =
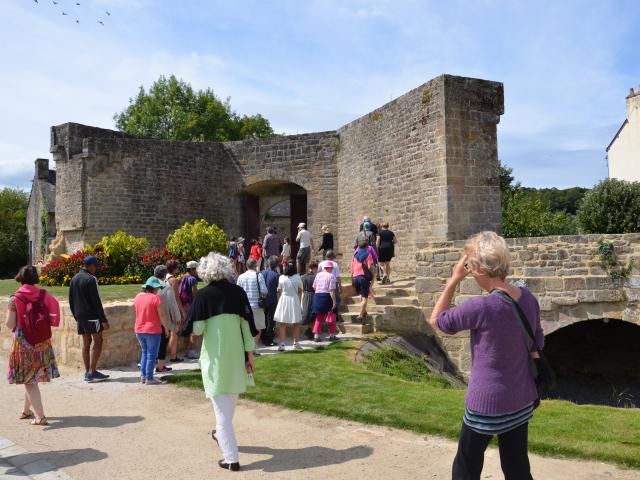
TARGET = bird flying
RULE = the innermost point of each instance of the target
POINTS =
(101, 23)
(64, 13)
(107, 12)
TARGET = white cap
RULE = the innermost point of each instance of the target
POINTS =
(192, 264)
(302, 225)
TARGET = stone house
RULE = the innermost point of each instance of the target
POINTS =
(623, 153)
(41, 212)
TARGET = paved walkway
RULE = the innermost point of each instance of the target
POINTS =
(121, 429)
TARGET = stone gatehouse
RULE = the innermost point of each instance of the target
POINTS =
(425, 162)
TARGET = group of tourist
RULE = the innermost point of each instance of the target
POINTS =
(232, 313)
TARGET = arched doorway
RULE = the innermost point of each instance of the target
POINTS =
(284, 202)
(597, 362)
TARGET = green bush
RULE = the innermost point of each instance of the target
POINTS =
(526, 215)
(13, 231)
(398, 363)
(612, 206)
(194, 240)
(120, 248)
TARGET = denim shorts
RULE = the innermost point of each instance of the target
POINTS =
(362, 285)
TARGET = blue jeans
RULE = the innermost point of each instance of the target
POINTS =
(150, 344)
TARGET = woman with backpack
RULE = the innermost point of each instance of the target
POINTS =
(362, 274)
(32, 313)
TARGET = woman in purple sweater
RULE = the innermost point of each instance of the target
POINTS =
(501, 394)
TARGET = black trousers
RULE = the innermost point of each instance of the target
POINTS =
(512, 445)
(164, 341)
(269, 333)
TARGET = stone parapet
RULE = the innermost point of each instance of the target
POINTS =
(563, 272)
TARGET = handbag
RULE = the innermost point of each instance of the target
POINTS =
(541, 371)
(262, 302)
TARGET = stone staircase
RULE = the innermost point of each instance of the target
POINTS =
(394, 307)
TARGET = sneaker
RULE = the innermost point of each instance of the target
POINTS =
(96, 377)
(281, 347)
(316, 338)
(154, 381)
(164, 369)
(297, 346)
(333, 338)
(86, 376)
(176, 360)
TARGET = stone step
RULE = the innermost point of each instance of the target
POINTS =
(356, 328)
(352, 317)
(382, 300)
(355, 308)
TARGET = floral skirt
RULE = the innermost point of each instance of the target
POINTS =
(31, 364)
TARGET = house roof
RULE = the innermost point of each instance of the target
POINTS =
(617, 133)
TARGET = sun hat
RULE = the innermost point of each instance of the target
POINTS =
(192, 264)
(302, 225)
(328, 264)
(153, 282)
(90, 260)
(160, 271)
(240, 239)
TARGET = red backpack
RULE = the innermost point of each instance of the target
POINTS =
(35, 323)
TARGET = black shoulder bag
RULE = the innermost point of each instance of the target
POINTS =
(262, 302)
(543, 375)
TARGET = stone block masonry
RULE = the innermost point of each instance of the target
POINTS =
(425, 162)
(563, 272)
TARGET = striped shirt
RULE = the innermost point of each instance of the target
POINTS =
(249, 284)
(497, 423)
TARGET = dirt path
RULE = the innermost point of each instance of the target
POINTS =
(123, 430)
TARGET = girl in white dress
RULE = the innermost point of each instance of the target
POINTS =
(289, 310)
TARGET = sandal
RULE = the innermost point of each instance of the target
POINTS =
(40, 422)
(25, 415)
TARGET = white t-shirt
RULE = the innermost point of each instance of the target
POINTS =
(304, 237)
(336, 268)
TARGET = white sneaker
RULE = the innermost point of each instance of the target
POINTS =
(154, 381)
(281, 347)
(297, 346)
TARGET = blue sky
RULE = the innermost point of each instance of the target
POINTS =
(316, 65)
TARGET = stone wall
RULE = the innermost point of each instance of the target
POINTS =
(426, 163)
(120, 345)
(561, 271)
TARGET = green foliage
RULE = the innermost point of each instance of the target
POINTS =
(194, 240)
(398, 363)
(612, 206)
(506, 180)
(172, 110)
(526, 215)
(120, 248)
(14, 239)
(559, 200)
(609, 262)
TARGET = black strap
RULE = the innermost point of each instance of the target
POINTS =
(520, 314)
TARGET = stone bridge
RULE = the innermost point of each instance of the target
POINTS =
(563, 272)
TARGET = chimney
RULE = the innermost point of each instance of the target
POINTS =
(42, 168)
(633, 102)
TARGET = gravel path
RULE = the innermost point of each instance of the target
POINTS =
(120, 429)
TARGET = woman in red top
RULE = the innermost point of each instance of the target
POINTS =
(150, 318)
(256, 251)
(32, 313)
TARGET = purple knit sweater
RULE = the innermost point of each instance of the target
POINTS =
(500, 379)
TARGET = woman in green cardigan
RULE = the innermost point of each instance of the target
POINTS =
(221, 313)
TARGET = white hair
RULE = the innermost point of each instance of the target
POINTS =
(215, 267)
(488, 254)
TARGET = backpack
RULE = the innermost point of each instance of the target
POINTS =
(365, 269)
(184, 290)
(233, 250)
(35, 323)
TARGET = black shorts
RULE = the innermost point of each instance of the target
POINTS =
(386, 254)
(89, 327)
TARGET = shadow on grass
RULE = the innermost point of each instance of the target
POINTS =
(88, 421)
(287, 459)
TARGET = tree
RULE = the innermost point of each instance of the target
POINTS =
(506, 180)
(612, 206)
(13, 230)
(172, 110)
(526, 215)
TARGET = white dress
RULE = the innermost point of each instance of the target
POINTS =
(289, 309)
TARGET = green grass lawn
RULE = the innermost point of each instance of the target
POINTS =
(107, 292)
(329, 382)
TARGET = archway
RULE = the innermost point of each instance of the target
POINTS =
(270, 199)
(596, 362)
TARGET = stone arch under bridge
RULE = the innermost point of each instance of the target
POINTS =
(563, 272)
(426, 162)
